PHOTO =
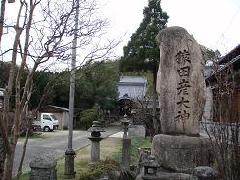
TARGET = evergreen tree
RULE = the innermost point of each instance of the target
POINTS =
(142, 52)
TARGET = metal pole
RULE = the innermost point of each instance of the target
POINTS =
(70, 153)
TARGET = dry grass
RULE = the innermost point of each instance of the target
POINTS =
(108, 148)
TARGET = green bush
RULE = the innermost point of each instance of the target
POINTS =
(100, 168)
(136, 143)
(87, 117)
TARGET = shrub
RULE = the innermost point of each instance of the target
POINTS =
(100, 168)
(136, 143)
(87, 117)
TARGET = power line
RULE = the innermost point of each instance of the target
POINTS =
(222, 36)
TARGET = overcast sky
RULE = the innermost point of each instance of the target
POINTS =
(213, 23)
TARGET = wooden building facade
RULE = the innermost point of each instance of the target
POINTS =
(224, 82)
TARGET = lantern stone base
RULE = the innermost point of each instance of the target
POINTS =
(181, 153)
(95, 149)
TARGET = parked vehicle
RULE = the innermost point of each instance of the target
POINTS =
(46, 122)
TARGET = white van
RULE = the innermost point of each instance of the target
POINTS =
(46, 121)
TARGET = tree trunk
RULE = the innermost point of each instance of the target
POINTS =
(2, 156)
(23, 154)
(8, 166)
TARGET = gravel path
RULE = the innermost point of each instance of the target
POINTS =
(54, 144)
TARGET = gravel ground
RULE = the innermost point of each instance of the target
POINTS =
(54, 144)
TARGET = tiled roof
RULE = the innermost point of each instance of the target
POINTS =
(229, 56)
(132, 79)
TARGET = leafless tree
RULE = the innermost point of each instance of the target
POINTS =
(45, 39)
(224, 133)
(143, 115)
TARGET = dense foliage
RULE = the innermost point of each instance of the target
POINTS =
(142, 52)
(95, 84)
(87, 117)
(4, 67)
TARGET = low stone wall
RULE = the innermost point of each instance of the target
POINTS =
(137, 130)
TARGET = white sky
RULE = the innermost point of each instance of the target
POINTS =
(213, 23)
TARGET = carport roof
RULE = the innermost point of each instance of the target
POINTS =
(55, 108)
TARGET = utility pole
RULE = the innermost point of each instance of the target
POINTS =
(70, 153)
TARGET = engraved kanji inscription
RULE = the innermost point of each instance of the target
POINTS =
(182, 116)
(183, 103)
(184, 71)
(182, 57)
(183, 86)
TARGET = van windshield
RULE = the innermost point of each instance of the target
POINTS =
(53, 117)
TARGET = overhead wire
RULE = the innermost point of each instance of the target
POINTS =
(222, 36)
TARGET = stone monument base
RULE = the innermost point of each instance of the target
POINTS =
(181, 153)
(163, 174)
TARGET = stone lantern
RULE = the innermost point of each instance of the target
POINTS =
(95, 138)
(150, 168)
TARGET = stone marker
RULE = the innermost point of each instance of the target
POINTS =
(180, 82)
(181, 88)
(43, 168)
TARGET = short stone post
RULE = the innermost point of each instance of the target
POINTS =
(205, 173)
(95, 138)
(150, 168)
(43, 167)
(126, 144)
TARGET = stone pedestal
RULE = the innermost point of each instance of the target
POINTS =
(95, 138)
(43, 168)
(126, 153)
(181, 153)
(205, 173)
(69, 163)
(95, 149)
(165, 175)
(126, 144)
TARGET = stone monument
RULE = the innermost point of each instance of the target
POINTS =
(181, 87)
(180, 84)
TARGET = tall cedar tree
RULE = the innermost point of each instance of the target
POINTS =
(142, 52)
